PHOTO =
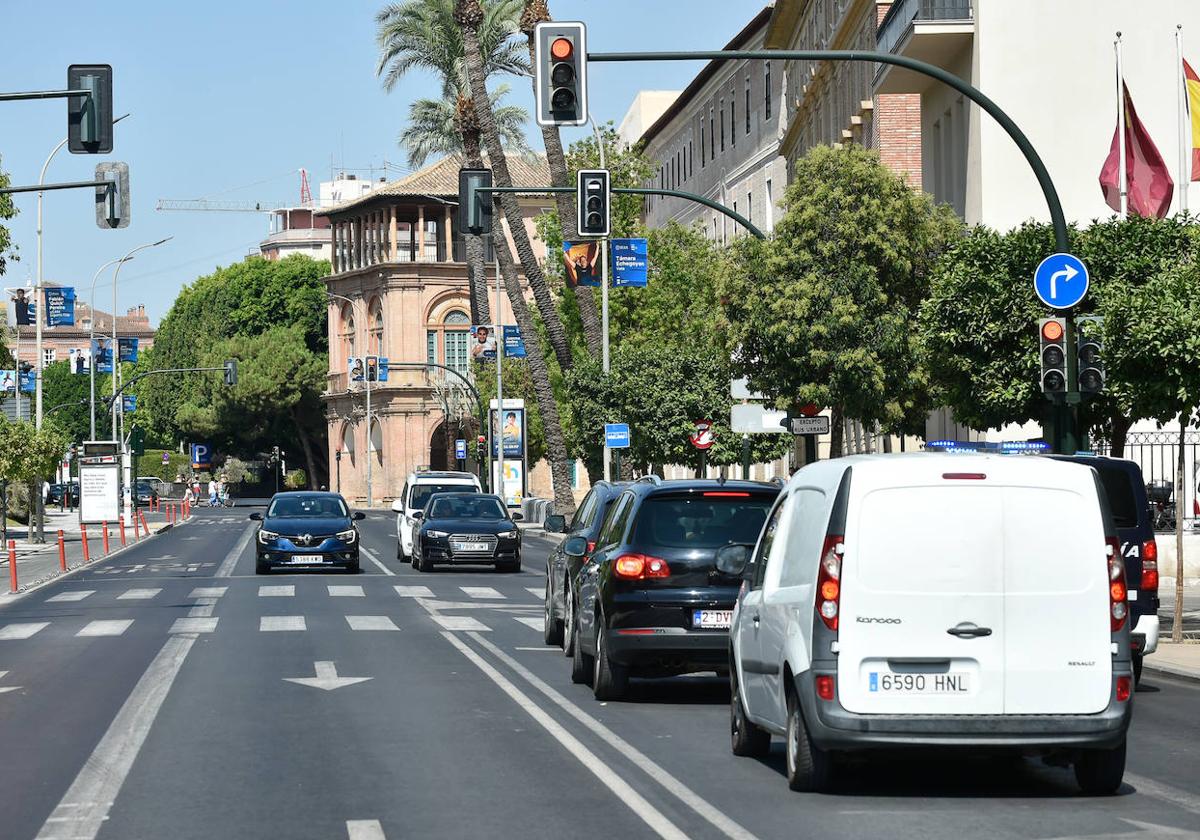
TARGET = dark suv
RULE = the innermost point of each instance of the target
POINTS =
(650, 601)
(1126, 491)
(562, 570)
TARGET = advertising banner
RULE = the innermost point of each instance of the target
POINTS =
(128, 403)
(355, 369)
(24, 309)
(102, 355)
(128, 348)
(8, 382)
(99, 493)
(630, 262)
(80, 359)
(483, 342)
(511, 431)
(580, 262)
(514, 345)
(28, 381)
(60, 306)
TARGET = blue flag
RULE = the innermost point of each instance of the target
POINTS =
(60, 306)
(630, 262)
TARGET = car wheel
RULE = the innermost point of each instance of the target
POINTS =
(353, 568)
(1099, 772)
(400, 551)
(609, 680)
(417, 562)
(809, 767)
(568, 622)
(746, 739)
(1137, 669)
(261, 568)
(552, 628)
(509, 567)
(581, 663)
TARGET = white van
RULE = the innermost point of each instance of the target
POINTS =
(416, 492)
(934, 600)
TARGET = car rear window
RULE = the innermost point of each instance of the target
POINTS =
(422, 492)
(1118, 486)
(700, 521)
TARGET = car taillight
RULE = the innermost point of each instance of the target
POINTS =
(1124, 689)
(829, 581)
(825, 686)
(1149, 566)
(1118, 609)
(640, 567)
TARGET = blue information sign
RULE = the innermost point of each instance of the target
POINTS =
(629, 262)
(514, 345)
(201, 456)
(128, 403)
(1061, 281)
(60, 306)
(616, 435)
(460, 449)
(128, 349)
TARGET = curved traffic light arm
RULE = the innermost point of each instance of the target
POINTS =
(109, 400)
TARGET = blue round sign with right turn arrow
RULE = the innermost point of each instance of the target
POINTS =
(1061, 281)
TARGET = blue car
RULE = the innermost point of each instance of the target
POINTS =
(307, 530)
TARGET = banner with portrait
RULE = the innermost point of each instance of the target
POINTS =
(581, 262)
(483, 343)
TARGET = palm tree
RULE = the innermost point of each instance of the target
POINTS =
(433, 128)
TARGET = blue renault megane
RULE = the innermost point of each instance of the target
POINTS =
(307, 530)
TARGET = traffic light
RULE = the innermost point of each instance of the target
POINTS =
(474, 207)
(231, 372)
(372, 368)
(592, 199)
(560, 73)
(90, 118)
(112, 200)
(137, 441)
(480, 448)
(1091, 347)
(1053, 335)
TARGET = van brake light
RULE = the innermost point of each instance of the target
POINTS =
(726, 494)
(1149, 580)
(1118, 607)
(964, 476)
(829, 587)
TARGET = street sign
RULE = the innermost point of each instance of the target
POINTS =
(702, 437)
(1061, 281)
(755, 419)
(201, 456)
(616, 435)
(460, 449)
(166, 457)
(810, 425)
(739, 389)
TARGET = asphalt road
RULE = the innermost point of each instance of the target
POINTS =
(179, 716)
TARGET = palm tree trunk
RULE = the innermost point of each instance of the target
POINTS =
(468, 14)
(306, 445)
(837, 432)
(476, 280)
(535, 12)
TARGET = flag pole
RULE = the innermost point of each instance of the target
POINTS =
(1184, 123)
(1122, 179)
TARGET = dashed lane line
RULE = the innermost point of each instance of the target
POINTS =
(231, 559)
(371, 556)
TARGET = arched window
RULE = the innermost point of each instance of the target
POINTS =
(375, 440)
(348, 442)
(447, 343)
(375, 321)
(346, 333)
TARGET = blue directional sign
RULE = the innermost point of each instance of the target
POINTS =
(460, 449)
(616, 435)
(1061, 281)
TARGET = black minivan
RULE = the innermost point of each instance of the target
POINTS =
(1125, 488)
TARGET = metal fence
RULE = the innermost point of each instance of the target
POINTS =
(1157, 454)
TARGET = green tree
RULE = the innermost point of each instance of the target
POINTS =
(433, 127)
(7, 211)
(28, 454)
(60, 387)
(825, 311)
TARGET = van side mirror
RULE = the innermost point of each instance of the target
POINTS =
(732, 559)
(575, 546)
(420, 514)
(517, 517)
(257, 517)
(397, 506)
(358, 514)
(555, 524)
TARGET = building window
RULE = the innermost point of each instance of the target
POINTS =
(750, 207)
(48, 354)
(747, 104)
(722, 125)
(732, 120)
(770, 207)
(347, 332)
(375, 319)
(767, 89)
(702, 154)
(712, 135)
(692, 158)
(453, 338)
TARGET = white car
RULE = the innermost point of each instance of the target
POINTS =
(416, 492)
(929, 600)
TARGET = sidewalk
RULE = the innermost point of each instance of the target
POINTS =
(1180, 660)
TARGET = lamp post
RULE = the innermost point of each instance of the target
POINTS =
(92, 341)
(116, 353)
(367, 384)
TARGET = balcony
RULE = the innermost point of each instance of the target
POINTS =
(934, 31)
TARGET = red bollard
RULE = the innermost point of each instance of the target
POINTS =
(104, 525)
(12, 565)
(62, 551)
(145, 530)
(121, 522)
(87, 556)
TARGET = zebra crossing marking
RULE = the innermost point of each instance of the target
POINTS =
(138, 594)
(414, 591)
(535, 623)
(459, 622)
(281, 623)
(345, 591)
(370, 622)
(482, 592)
(276, 591)
(194, 625)
(75, 595)
(536, 591)
(208, 591)
(106, 627)
(22, 631)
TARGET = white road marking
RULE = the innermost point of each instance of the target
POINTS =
(85, 804)
(376, 561)
(276, 591)
(108, 627)
(414, 591)
(345, 592)
(4, 689)
(76, 595)
(1167, 793)
(551, 648)
(208, 592)
(459, 622)
(481, 592)
(371, 622)
(658, 774)
(364, 830)
(235, 554)
(535, 623)
(138, 594)
(536, 591)
(194, 625)
(21, 631)
(326, 678)
(621, 789)
(272, 623)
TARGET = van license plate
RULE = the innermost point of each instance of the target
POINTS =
(955, 682)
(465, 546)
(712, 619)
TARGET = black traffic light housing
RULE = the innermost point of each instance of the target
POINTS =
(372, 368)
(474, 207)
(1052, 335)
(560, 72)
(593, 201)
(480, 448)
(1091, 350)
(231, 372)
(112, 201)
(90, 118)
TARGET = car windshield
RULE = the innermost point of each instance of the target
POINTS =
(1118, 486)
(466, 507)
(421, 492)
(307, 506)
(701, 521)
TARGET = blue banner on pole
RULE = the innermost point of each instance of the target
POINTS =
(129, 403)
(24, 309)
(514, 345)
(60, 306)
(128, 349)
(382, 369)
(102, 355)
(630, 262)
(580, 262)
(29, 381)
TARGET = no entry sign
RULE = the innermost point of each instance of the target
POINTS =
(702, 436)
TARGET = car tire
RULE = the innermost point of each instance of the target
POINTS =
(417, 562)
(1137, 669)
(746, 739)
(552, 628)
(400, 551)
(353, 568)
(581, 663)
(809, 768)
(569, 634)
(509, 567)
(610, 681)
(261, 568)
(1100, 772)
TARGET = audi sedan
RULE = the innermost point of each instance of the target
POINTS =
(306, 530)
(466, 528)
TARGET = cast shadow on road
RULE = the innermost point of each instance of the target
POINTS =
(691, 690)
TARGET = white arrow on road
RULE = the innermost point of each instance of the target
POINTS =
(7, 688)
(326, 678)
(1066, 273)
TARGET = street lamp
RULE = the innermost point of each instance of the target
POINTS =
(367, 383)
(116, 353)
(92, 341)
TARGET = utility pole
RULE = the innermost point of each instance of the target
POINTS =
(498, 427)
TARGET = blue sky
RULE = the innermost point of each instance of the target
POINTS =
(230, 100)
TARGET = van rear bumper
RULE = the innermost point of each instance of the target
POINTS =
(832, 727)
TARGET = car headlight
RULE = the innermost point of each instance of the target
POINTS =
(437, 535)
(347, 536)
(265, 536)
(508, 535)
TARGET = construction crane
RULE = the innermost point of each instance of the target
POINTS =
(237, 206)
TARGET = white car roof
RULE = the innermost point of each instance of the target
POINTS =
(829, 473)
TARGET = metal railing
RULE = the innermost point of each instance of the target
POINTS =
(901, 16)
(1157, 454)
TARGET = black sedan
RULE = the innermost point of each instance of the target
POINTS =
(306, 530)
(144, 494)
(466, 528)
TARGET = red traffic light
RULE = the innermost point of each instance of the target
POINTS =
(481, 439)
(1052, 330)
(561, 49)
